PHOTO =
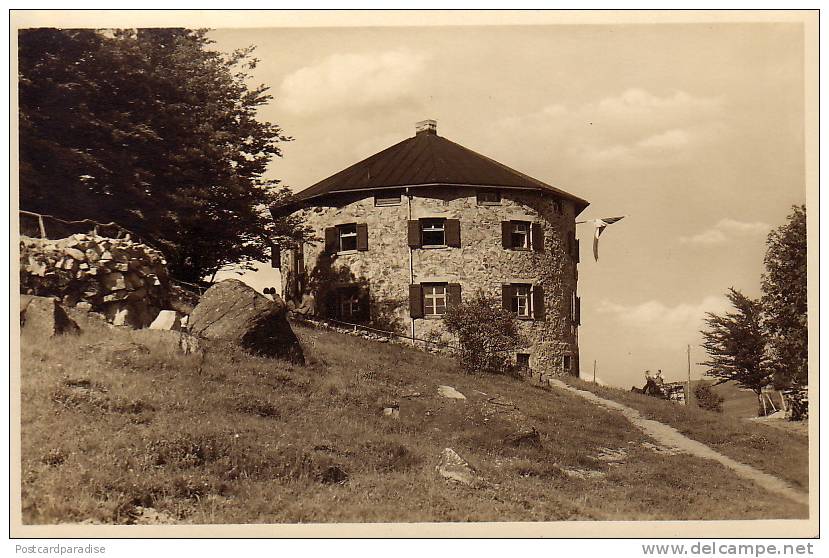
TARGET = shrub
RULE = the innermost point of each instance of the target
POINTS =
(707, 398)
(487, 335)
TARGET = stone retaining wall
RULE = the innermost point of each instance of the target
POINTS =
(124, 280)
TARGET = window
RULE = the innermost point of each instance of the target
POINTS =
(433, 232)
(387, 198)
(525, 300)
(557, 205)
(522, 361)
(434, 299)
(488, 197)
(521, 300)
(349, 305)
(348, 237)
(566, 361)
(520, 235)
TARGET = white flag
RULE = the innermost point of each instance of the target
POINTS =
(601, 225)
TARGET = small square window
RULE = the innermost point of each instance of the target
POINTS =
(348, 237)
(434, 299)
(386, 199)
(520, 235)
(522, 361)
(349, 305)
(488, 197)
(557, 205)
(433, 232)
(521, 300)
(566, 362)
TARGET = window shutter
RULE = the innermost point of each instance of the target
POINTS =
(331, 240)
(362, 237)
(538, 302)
(453, 233)
(415, 301)
(453, 294)
(538, 237)
(414, 234)
(506, 234)
(506, 297)
(577, 316)
(276, 256)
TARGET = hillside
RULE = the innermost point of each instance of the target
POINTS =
(118, 427)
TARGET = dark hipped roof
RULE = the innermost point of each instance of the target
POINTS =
(427, 159)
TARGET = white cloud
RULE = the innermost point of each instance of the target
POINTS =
(633, 129)
(756, 227)
(711, 236)
(725, 230)
(352, 80)
(672, 139)
(638, 102)
(663, 324)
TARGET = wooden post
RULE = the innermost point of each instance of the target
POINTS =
(594, 371)
(688, 397)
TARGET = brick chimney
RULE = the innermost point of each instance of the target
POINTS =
(427, 127)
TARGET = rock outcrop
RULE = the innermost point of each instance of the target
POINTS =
(233, 311)
(124, 280)
(167, 320)
(44, 317)
(450, 393)
(454, 468)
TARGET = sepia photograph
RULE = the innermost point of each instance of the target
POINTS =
(534, 270)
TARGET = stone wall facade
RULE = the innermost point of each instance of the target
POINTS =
(388, 266)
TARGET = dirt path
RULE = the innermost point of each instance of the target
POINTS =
(673, 439)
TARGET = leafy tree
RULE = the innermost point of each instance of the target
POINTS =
(736, 345)
(487, 335)
(707, 398)
(152, 129)
(784, 301)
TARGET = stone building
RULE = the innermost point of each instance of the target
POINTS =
(416, 227)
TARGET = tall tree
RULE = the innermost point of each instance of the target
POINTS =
(784, 301)
(736, 345)
(154, 130)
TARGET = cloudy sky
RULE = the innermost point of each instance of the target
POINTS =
(695, 132)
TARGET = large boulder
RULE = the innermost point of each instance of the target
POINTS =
(233, 311)
(44, 317)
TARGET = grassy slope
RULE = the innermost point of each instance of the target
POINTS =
(783, 454)
(116, 419)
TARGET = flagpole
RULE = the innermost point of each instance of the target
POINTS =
(688, 398)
